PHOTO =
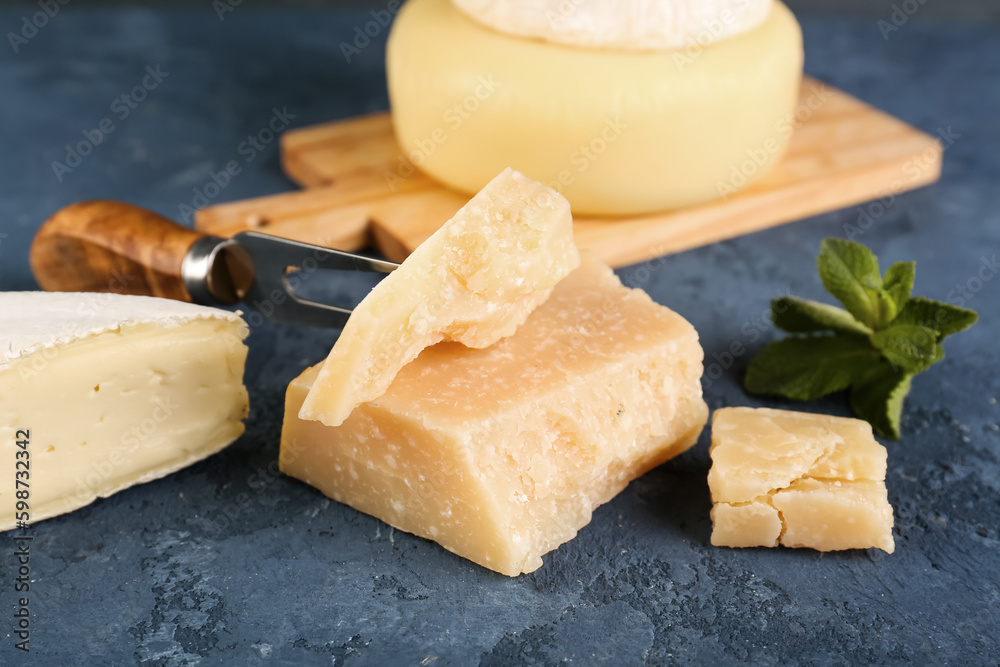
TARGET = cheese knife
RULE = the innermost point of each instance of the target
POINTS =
(108, 246)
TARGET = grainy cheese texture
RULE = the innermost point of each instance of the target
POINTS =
(616, 131)
(501, 454)
(473, 281)
(799, 480)
(111, 391)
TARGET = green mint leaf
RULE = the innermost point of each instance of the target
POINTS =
(805, 369)
(886, 308)
(898, 282)
(943, 318)
(804, 316)
(912, 347)
(878, 398)
(879, 343)
(850, 272)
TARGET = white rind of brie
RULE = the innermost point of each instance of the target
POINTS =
(30, 321)
(112, 391)
(620, 24)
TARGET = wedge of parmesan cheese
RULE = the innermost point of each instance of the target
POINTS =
(473, 281)
(99, 392)
(501, 454)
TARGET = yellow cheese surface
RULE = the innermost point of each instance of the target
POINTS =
(797, 479)
(473, 281)
(119, 408)
(501, 454)
(615, 131)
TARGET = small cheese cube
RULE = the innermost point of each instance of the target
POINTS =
(501, 454)
(473, 281)
(749, 525)
(797, 479)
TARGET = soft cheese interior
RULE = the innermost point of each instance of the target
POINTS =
(501, 454)
(119, 407)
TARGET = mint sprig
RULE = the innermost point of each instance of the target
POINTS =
(872, 347)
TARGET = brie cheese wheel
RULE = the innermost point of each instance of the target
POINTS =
(616, 132)
(474, 281)
(99, 392)
(620, 24)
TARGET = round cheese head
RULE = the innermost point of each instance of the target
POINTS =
(616, 132)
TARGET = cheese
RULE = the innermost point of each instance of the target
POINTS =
(623, 24)
(616, 132)
(473, 281)
(797, 479)
(113, 391)
(501, 454)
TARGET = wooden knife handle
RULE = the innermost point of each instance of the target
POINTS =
(109, 246)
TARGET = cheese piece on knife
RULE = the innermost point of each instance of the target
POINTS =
(501, 454)
(112, 391)
(473, 281)
(797, 479)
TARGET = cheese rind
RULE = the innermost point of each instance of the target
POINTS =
(113, 391)
(473, 281)
(628, 24)
(35, 321)
(616, 132)
(798, 479)
(501, 454)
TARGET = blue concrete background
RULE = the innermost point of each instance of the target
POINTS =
(229, 562)
(968, 10)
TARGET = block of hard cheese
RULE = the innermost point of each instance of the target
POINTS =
(501, 454)
(106, 391)
(797, 479)
(473, 281)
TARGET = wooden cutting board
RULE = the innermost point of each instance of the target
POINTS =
(843, 152)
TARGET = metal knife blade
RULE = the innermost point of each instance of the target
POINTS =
(262, 272)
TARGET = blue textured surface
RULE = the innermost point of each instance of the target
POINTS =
(230, 562)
